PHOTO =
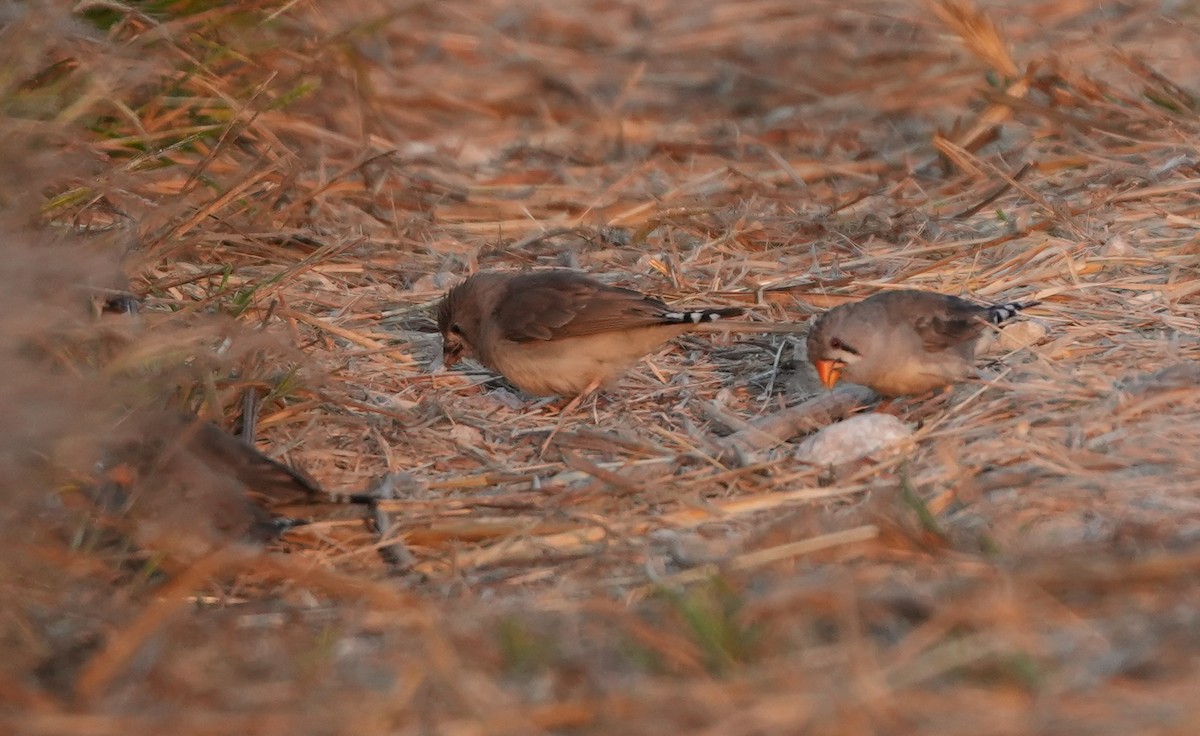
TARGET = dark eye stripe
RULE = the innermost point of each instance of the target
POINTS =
(837, 344)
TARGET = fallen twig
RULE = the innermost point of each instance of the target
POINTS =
(775, 429)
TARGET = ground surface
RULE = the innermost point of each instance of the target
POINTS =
(293, 186)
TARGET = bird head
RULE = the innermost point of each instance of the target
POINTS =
(454, 345)
(831, 348)
(459, 315)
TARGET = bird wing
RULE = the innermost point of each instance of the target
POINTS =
(950, 322)
(255, 470)
(557, 305)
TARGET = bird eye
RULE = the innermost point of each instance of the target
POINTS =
(456, 330)
(836, 344)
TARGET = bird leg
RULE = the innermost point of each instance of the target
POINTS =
(569, 409)
(895, 405)
(589, 391)
(887, 406)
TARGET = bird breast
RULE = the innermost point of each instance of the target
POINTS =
(910, 372)
(571, 366)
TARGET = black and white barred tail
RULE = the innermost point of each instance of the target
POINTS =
(700, 316)
(1004, 312)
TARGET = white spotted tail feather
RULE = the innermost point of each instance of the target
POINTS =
(700, 316)
(1001, 313)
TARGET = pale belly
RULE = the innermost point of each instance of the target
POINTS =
(911, 378)
(575, 365)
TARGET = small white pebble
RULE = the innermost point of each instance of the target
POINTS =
(467, 436)
(852, 439)
(1116, 247)
(1021, 335)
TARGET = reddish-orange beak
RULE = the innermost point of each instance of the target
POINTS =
(453, 351)
(830, 371)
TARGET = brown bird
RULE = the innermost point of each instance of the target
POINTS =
(561, 332)
(185, 487)
(902, 342)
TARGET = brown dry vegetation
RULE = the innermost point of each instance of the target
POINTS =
(290, 186)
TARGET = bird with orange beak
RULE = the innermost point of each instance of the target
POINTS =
(902, 342)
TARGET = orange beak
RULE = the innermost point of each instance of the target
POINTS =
(830, 371)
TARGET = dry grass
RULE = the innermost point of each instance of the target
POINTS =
(292, 185)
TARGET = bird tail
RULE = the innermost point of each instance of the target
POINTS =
(1004, 312)
(713, 320)
(701, 316)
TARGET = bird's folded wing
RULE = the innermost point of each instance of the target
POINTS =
(258, 472)
(953, 323)
(555, 309)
